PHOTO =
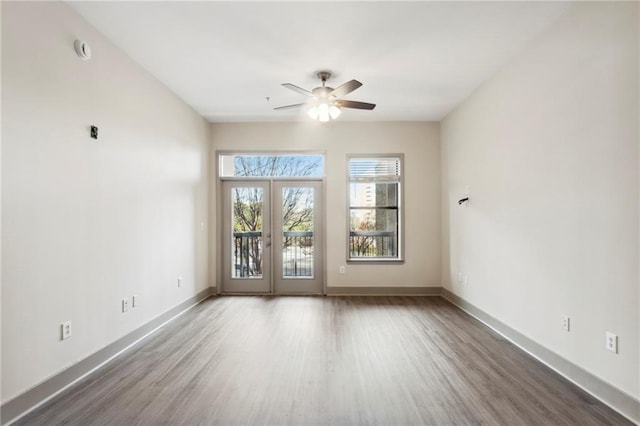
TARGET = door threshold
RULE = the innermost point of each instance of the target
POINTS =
(268, 294)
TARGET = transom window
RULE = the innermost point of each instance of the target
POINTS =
(271, 165)
(375, 207)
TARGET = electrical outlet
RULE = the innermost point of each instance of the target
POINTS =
(135, 301)
(612, 342)
(125, 304)
(179, 282)
(65, 330)
(342, 269)
(460, 277)
(466, 279)
(566, 323)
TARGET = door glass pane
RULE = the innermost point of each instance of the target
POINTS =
(297, 232)
(248, 203)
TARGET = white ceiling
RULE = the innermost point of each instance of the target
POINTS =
(417, 60)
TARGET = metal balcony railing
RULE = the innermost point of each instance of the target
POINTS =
(297, 254)
(247, 254)
(372, 244)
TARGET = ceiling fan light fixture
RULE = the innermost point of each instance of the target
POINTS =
(313, 113)
(323, 112)
(334, 111)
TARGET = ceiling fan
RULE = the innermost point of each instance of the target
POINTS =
(325, 101)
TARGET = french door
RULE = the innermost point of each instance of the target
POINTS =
(272, 237)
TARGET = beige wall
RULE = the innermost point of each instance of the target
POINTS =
(549, 150)
(419, 142)
(87, 223)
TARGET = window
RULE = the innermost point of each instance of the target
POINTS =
(271, 165)
(375, 207)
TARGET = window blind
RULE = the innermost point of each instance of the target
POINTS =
(367, 168)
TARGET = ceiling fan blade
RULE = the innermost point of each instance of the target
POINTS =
(355, 105)
(290, 106)
(297, 89)
(346, 88)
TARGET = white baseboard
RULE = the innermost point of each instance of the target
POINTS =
(615, 398)
(26, 402)
(384, 291)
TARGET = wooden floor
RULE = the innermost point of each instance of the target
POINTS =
(324, 360)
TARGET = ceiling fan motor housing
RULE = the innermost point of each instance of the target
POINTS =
(322, 92)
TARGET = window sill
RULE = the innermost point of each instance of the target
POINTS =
(378, 260)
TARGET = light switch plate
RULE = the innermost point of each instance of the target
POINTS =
(566, 323)
(612, 342)
(65, 330)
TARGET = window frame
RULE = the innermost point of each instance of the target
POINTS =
(400, 208)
